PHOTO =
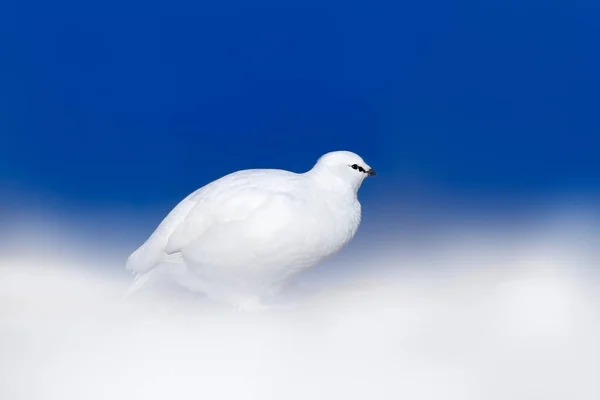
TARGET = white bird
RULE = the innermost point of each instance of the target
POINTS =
(242, 237)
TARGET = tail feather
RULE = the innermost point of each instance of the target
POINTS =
(146, 256)
(139, 281)
(168, 264)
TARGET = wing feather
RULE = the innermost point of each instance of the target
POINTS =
(233, 198)
(235, 204)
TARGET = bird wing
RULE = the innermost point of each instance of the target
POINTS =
(219, 205)
(247, 229)
(239, 206)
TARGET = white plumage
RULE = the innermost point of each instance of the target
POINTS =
(240, 239)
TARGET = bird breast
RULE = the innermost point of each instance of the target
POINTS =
(328, 228)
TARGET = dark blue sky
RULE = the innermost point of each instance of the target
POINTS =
(139, 102)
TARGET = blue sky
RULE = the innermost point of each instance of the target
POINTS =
(133, 103)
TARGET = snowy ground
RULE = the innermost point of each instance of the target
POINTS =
(474, 314)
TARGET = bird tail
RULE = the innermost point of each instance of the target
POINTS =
(139, 281)
(142, 278)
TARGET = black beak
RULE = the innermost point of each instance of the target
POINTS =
(371, 172)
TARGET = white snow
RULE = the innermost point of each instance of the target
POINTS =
(473, 314)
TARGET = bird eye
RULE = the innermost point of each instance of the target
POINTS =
(354, 166)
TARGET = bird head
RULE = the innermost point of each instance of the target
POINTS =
(343, 168)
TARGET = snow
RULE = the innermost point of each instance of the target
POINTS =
(475, 314)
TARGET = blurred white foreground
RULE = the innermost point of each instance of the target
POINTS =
(474, 314)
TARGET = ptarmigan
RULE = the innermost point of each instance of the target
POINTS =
(242, 237)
